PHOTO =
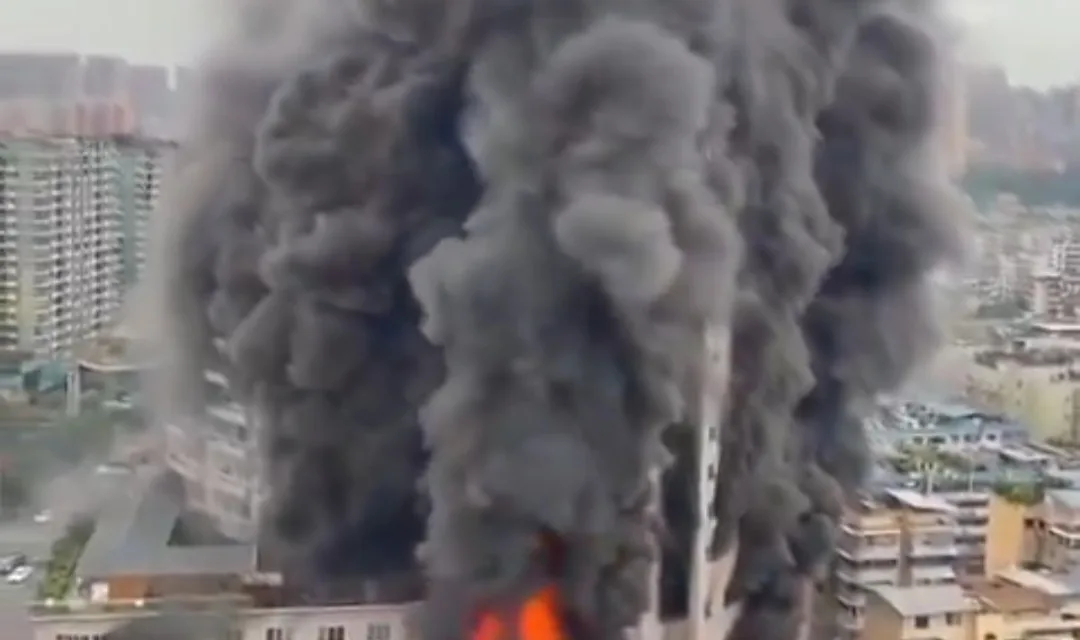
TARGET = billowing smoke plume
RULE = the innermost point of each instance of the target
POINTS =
(325, 160)
(479, 243)
(852, 212)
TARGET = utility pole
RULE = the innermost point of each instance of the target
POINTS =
(73, 388)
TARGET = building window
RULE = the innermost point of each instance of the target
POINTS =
(332, 633)
(922, 622)
(378, 632)
(952, 619)
(277, 633)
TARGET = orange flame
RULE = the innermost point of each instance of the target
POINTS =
(539, 618)
(541, 615)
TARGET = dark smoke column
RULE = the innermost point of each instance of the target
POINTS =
(323, 161)
(838, 321)
(818, 142)
(571, 315)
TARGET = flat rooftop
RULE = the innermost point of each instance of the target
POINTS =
(1009, 598)
(112, 355)
(937, 417)
(920, 501)
(1054, 584)
(133, 532)
(925, 600)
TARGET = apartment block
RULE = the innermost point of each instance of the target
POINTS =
(900, 538)
(216, 453)
(1038, 387)
(144, 164)
(1032, 527)
(972, 519)
(60, 263)
(92, 96)
(1029, 588)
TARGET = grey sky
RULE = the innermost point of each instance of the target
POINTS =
(1034, 39)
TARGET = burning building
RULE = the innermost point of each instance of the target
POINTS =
(613, 281)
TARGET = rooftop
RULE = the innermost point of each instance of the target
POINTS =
(930, 418)
(1028, 357)
(1007, 597)
(1068, 497)
(112, 354)
(1050, 583)
(191, 606)
(926, 600)
(920, 501)
(132, 537)
(1056, 327)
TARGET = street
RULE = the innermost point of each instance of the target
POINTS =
(14, 619)
(76, 493)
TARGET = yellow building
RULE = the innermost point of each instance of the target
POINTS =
(1040, 528)
(1014, 530)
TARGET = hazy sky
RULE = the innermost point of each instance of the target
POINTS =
(1034, 39)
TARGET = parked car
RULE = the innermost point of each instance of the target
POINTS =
(43, 517)
(113, 469)
(12, 562)
(20, 575)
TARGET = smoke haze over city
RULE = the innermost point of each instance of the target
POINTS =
(1036, 47)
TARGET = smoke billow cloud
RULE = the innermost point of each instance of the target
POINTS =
(459, 258)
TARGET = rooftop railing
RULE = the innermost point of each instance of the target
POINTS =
(85, 606)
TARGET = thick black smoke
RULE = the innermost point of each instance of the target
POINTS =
(890, 217)
(324, 161)
(520, 216)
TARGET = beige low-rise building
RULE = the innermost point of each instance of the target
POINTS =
(1039, 388)
(988, 609)
(901, 538)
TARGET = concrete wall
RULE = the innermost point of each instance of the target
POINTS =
(304, 623)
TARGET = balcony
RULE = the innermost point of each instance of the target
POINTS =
(864, 553)
(852, 598)
(1068, 533)
(185, 453)
(934, 551)
(231, 413)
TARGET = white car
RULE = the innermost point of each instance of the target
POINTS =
(43, 517)
(20, 575)
(112, 469)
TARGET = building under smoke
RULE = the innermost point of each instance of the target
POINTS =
(39, 76)
(479, 244)
(103, 77)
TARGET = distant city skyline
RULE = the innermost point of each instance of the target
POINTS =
(1036, 46)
